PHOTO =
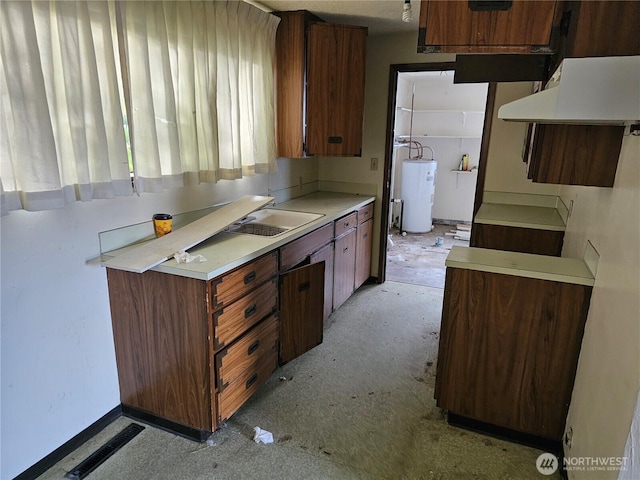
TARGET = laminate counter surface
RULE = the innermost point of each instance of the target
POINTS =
(524, 216)
(225, 251)
(543, 267)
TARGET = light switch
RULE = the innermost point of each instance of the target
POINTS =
(374, 163)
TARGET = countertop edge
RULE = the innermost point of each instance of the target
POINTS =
(553, 277)
(558, 226)
(509, 223)
(170, 267)
(514, 263)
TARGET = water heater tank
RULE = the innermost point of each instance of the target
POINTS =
(417, 191)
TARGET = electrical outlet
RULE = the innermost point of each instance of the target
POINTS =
(374, 163)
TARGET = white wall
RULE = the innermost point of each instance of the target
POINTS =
(608, 375)
(57, 356)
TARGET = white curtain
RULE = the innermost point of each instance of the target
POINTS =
(201, 85)
(200, 78)
(61, 125)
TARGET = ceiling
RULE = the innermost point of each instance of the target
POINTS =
(381, 16)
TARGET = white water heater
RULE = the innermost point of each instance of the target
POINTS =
(417, 191)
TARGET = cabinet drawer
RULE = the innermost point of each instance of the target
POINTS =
(365, 213)
(232, 321)
(234, 361)
(234, 285)
(246, 384)
(346, 223)
(295, 252)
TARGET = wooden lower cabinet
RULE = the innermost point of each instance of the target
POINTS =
(517, 239)
(301, 310)
(509, 349)
(190, 352)
(326, 255)
(344, 267)
(363, 252)
(161, 331)
(243, 367)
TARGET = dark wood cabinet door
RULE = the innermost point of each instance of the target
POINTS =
(460, 27)
(335, 89)
(363, 252)
(576, 154)
(325, 254)
(344, 269)
(301, 311)
(509, 349)
(602, 28)
(290, 72)
(517, 239)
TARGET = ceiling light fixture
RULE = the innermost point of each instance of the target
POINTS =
(407, 14)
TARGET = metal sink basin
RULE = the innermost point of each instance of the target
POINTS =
(270, 222)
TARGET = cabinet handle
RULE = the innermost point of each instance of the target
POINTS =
(335, 139)
(346, 224)
(252, 380)
(253, 347)
(345, 249)
(250, 310)
(304, 286)
(249, 277)
(365, 235)
(489, 5)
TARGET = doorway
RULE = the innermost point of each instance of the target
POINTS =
(437, 136)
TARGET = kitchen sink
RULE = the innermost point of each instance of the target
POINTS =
(270, 222)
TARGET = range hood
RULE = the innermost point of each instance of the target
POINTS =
(584, 91)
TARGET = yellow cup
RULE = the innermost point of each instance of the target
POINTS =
(162, 223)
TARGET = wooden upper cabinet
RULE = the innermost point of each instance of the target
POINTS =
(335, 89)
(601, 28)
(290, 88)
(585, 154)
(320, 87)
(487, 26)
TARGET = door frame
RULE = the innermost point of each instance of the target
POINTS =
(394, 70)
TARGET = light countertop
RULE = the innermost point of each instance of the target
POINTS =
(523, 216)
(543, 267)
(225, 251)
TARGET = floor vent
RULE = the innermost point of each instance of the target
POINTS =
(94, 460)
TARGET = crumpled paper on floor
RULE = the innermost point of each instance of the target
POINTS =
(184, 257)
(262, 436)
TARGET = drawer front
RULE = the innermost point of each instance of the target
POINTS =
(233, 362)
(346, 223)
(232, 321)
(246, 384)
(237, 283)
(295, 252)
(365, 213)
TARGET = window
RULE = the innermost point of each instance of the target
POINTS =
(197, 78)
